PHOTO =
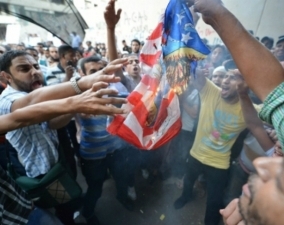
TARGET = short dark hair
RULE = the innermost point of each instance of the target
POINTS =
(63, 49)
(7, 57)
(230, 65)
(269, 39)
(40, 43)
(80, 51)
(137, 41)
(280, 39)
(31, 49)
(87, 60)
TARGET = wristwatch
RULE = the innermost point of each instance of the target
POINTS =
(74, 82)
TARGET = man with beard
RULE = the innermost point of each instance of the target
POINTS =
(261, 202)
(53, 60)
(36, 145)
(215, 135)
(23, 210)
(64, 69)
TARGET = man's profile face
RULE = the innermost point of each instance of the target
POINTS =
(25, 74)
(262, 201)
(133, 68)
(279, 51)
(135, 47)
(93, 67)
(229, 86)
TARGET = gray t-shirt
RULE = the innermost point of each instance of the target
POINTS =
(130, 83)
(187, 121)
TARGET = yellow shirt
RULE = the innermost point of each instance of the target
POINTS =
(219, 125)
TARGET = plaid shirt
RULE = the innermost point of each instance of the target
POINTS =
(36, 145)
(273, 111)
(15, 205)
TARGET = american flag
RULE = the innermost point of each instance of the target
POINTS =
(155, 116)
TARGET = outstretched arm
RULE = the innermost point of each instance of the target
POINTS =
(90, 102)
(260, 68)
(65, 89)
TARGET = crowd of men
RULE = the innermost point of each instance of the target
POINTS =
(230, 144)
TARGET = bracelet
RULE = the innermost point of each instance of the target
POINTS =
(75, 85)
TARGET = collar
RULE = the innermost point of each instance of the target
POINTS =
(60, 67)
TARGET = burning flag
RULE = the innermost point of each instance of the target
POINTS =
(182, 46)
(154, 108)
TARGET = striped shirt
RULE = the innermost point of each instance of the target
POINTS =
(273, 111)
(43, 70)
(96, 142)
(15, 206)
(36, 145)
(55, 75)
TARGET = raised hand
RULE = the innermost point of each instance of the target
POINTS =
(208, 8)
(105, 75)
(111, 17)
(93, 101)
(69, 71)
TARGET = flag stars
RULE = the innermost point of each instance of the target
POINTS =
(180, 17)
(186, 37)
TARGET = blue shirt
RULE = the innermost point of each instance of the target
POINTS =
(76, 40)
(36, 145)
(96, 142)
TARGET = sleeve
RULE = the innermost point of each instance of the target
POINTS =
(258, 107)
(7, 101)
(5, 107)
(273, 111)
(209, 90)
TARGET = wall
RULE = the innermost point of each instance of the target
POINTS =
(263, 17)
(139, 18)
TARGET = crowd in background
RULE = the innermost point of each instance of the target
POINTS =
(216, 100)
